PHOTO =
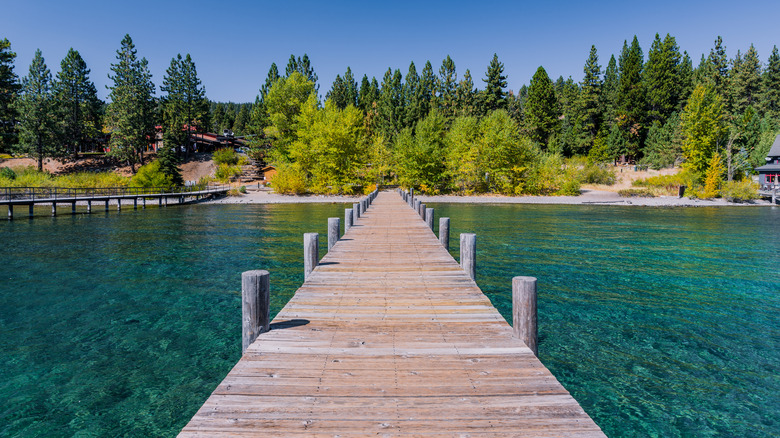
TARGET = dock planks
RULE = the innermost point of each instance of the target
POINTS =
(389, 337)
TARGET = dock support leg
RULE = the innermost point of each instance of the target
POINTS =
(166, 201)
(118, 204)
(468, 254)
(159, 201)
(89, 207)
(444, 232)
(54, 209)
(429, 217)
(135, 203)
(106, 205)
(310, 253)
(73, 207)
(32, 210)
(524, 311)
(10, 212)
(255, 306)
(143, 203)
(347, 219)
(334, 225)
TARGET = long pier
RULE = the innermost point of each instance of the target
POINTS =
(31, 196)
(388, 336)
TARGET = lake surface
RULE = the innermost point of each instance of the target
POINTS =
(660, 322)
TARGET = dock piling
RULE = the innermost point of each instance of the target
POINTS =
(255, 306)
(118, 204)
(54, 209)
(89, 207)
(73, 207)
(106, 205)
(444, 232)
(10, 211)
(524, 311)
(32, 210)
(347, 219)
(468, 254)
(429, 217)
(310, 253)
(334, 225)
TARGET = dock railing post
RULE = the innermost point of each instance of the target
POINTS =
(334, 225)
(255, 306)
(444, 232)
(429, 217)
(468, 254)
(356, 212)
(524, 311)
(421, 211)
(310, 253)
(347, 219)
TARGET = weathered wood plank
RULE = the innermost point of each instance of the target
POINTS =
(389, 336)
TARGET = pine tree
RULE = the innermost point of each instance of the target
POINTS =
(130, 115)
(76, 96)
(608, 101)
(686, 81)
(631, 97)
(447, 82)
(242, 120)
(590, 95)
(541, 108)
(427, 89)
(364, 101)
(390, 104)
(411, 94)
(770, 84)
(718, 68)
(271, 78)
(466, 96)
(662, 78)
(338, 93)
(9, 87)
(745, 82)
(493, 97)
(38, 127)
(258, 119)
(350, 88)
(292, 66)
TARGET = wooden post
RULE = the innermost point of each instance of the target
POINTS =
(143, 203)
(118, 204)
(421, 211)
(416, 206)
(524, 311)
(54, 209)
(73, 207)
(32, 209)
(356, 212)
(310, 253)
(135, 203)
(334, 225)
(89, 207)
(444, 232)
(106, 205)
(10, 212)
(468, 254)
(255, 306)
(429, 217)
(159, 201)
(347, 219)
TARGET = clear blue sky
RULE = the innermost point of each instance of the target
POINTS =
(233, 43)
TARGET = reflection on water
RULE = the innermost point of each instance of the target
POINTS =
(661, 322)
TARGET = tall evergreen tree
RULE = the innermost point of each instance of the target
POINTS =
(770, 87)
(38, 127)
(258, 119)
(242, 120)
(631, 97)
(130, 115)
(541, 108)
(302, 66)
(338, 93)
(350, 88)
(292, 66)
(466, 96)
(493, 97)
(390, 104)
(427, 89)
(447, 82)
(411, 97)
(270, 79)
(718, 68)
(686, 80)
(745, 82)
(608, 102)
(662, 79)
(76, 97)
(590, 95)
(9, 87)
(364, 97)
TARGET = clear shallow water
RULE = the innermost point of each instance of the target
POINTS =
(661, 322)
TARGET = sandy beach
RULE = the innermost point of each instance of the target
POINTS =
(588, 197)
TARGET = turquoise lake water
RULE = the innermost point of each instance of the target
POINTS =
(660, 322)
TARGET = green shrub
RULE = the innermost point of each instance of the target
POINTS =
(7, 173)
(225, 172)
(669, 184)
(739, 191)
(91, 180)
(225, 156)
(289, 179)
(569, 188)
(242, 189)
(595, 174)
(150, 175)
(636, 193)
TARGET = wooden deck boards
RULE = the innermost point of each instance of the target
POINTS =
(398, 341)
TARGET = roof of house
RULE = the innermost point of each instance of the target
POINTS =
(774, 151)
(769, 168)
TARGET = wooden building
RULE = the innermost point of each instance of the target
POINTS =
(769, 174)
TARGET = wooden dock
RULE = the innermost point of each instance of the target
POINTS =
(389, 337)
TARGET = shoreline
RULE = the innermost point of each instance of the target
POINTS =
(588, 197)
